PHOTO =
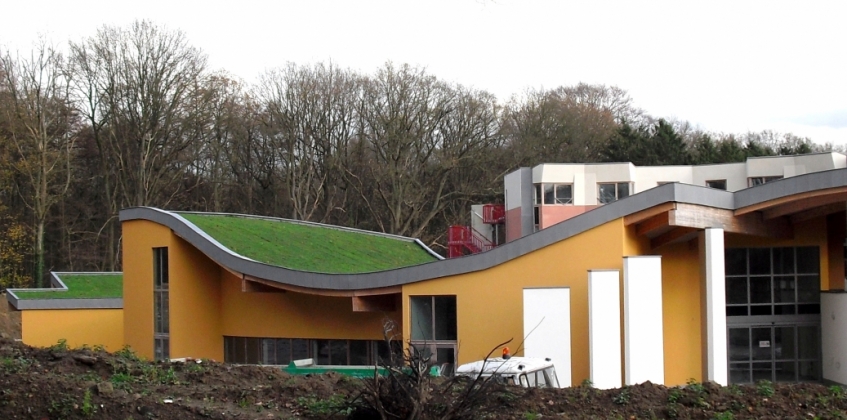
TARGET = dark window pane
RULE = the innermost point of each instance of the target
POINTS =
(739, 344)
(783, 345)
(783, 261)
(623, 190)
(719, 184)
(268, 351)
(564, 194)
(323, 352)
(809, 371)
(238, 350)
(359, 352)
(548, 194)
(606, 193)
(760, 260)
(736, 311)
(808, 309)
(761, 340)
(445, 318)
(808, 261)
(784, 309)
(809, 342)
(166, 318)
(338, 355)
(783, 288)
(166, 348)
(299, 349)
(762, 372)
(253, 350)
(536, 198)
(808, 289)
(421, 317)
(739, 373)
(786, 371)
(536, 215)
(760, 290)
(735, 260)
(283, 351)
(761, 310)
(736, 290)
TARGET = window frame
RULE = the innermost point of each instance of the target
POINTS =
(617, 191)
(709, 181)
(161, 304)
(763, 180)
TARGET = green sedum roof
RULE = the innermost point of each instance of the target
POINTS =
(309, 247)
(80, 286)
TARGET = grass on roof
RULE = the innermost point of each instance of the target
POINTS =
(81, 286)
(309, 248)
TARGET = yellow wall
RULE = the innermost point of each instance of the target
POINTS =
(489, 303)
(91, 327)
(139, 239)
(681, 307)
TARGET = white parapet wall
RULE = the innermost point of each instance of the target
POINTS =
(604, 328)
(643, 326)
(713, 277)
(547, 328)
(834, 336)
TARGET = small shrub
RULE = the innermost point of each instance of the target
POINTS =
(764, 388)
(87, 407)
(726, 415)
(586, 383)
(127, 353)
(695, 386)
(61, 345)
(623, 397)
(674, 395)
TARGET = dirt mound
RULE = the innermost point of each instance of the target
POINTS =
(10, 319)
(57, 383)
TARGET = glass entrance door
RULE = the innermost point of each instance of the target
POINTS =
(777, 353)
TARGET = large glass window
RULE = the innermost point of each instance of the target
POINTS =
(282, 351)
(161, 304)
(773, 307)
(433, 329)
(558, 194)
(612, 191)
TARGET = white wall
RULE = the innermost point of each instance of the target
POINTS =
(643, 335)
(604, 328)
(512, 185)
(735, 175)
(834, 336)
(547, 328)
(647, 177)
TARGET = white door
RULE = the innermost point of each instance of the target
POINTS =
(547, 328)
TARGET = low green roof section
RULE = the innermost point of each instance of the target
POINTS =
(80, 286)
(310, 247)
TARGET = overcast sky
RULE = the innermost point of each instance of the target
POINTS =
(729, 66)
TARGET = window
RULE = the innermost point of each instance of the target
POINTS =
(161, 317)
(433, 330)
(612, 191)
(760, 180)
(282, 351)
(772, 281)
(718, 184)
(558, 194)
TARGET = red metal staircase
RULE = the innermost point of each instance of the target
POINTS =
(464, 240)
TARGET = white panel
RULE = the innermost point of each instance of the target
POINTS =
(713, 276)
(834, 336)
(547, 328)
(604, 328)
(644, 339)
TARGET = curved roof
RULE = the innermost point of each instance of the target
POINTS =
(828, 183)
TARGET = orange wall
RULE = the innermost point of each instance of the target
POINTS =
(295, 315)
(513, 224)
(681, 307)
(139, 239)
(91, 327)
(489, 303)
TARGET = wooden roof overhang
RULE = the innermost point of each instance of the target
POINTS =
(674, 222)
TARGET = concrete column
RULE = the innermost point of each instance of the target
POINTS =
(643, 325)
(713, 280)
(604, 328)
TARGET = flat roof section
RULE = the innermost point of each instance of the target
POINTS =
(72, 291)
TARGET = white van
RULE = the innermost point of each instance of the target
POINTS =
(528, 372)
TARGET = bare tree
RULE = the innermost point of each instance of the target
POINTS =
(41, 128)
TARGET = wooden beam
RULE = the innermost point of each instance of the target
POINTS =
(653, 224)
(248, 286)
(326, 292)
(818, 212)
(693, 216)
(648, 213)
(681, 234)
(802, 205)
(788, 199)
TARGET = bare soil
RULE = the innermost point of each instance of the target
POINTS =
(57, 383)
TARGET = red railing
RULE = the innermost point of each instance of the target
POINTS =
(464, 238)
(493, 214)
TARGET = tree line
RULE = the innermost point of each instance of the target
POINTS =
(133, 116)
